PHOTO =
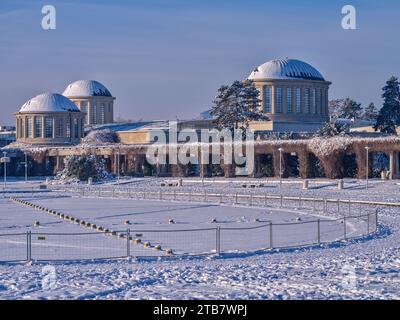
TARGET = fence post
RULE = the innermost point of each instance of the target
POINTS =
(319, 230)
(344, 228)
(236, 198)
(376, 220)
(218, 240)
(271, 245)
(349, 207)
(251, 199)
(220, 197)
(281, 201)
(314, 204)
(338, 206)
(367, 223)
(128, 243)
(324, 205)
(28, 246)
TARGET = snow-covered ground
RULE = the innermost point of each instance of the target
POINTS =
(364, 268)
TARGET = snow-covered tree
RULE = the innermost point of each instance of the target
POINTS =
(344, 108)
(331, 129)
(389, 115)
(236, 105)
(370, 112)
(83, 167)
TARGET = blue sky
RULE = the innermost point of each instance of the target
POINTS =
(166, 58)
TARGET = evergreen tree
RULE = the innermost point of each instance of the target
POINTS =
(389, 115)
(236, 105)
(351, 109)
(345, 109)
(370, 112)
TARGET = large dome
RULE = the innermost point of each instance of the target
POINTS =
(286, 69)
(49, 102)
(86, 88)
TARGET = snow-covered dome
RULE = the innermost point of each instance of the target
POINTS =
(86, 88)
(49, 102)
(286, 69)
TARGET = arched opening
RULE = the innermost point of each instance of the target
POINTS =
(380, 163)
(267, 165)
(316, 168)
(292, 165)
(349, 168)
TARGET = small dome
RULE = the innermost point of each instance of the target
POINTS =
(286, 69)
(86, 88)
(49, 102)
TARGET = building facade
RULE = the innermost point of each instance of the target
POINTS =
(93, 99)
(49, 119)
(294, 95)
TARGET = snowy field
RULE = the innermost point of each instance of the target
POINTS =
(364, 268)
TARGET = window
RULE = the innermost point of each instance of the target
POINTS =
(38, 127)
(289, 100)
(307, 100)
(68, 129)
(267, 99)
(278, 92)
(322, 101)
(102, 113)
(84, 109)
(30, 128)
(59, 128)
(313, 100)
(93, 115)
(298, 100)
(76, 128)
(48, 127)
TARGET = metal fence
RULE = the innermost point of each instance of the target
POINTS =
(325, 206)
(144, 243)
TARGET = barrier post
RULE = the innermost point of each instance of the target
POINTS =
(376, 220)
(319, 230)
(218, 240)
(344, 228)
(281, 201)
(28, 246)
(128, 243)
(367, 223)
(271, 245)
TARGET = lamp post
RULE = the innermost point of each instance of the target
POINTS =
(118, 159)
(366, 167)
(280, 167)
(5, 160)
(26, 167)
(157, 166)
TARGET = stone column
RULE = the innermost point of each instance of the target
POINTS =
(392, 166)
(304, 162)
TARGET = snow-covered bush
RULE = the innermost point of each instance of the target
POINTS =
(80, 168)
(100, 137)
